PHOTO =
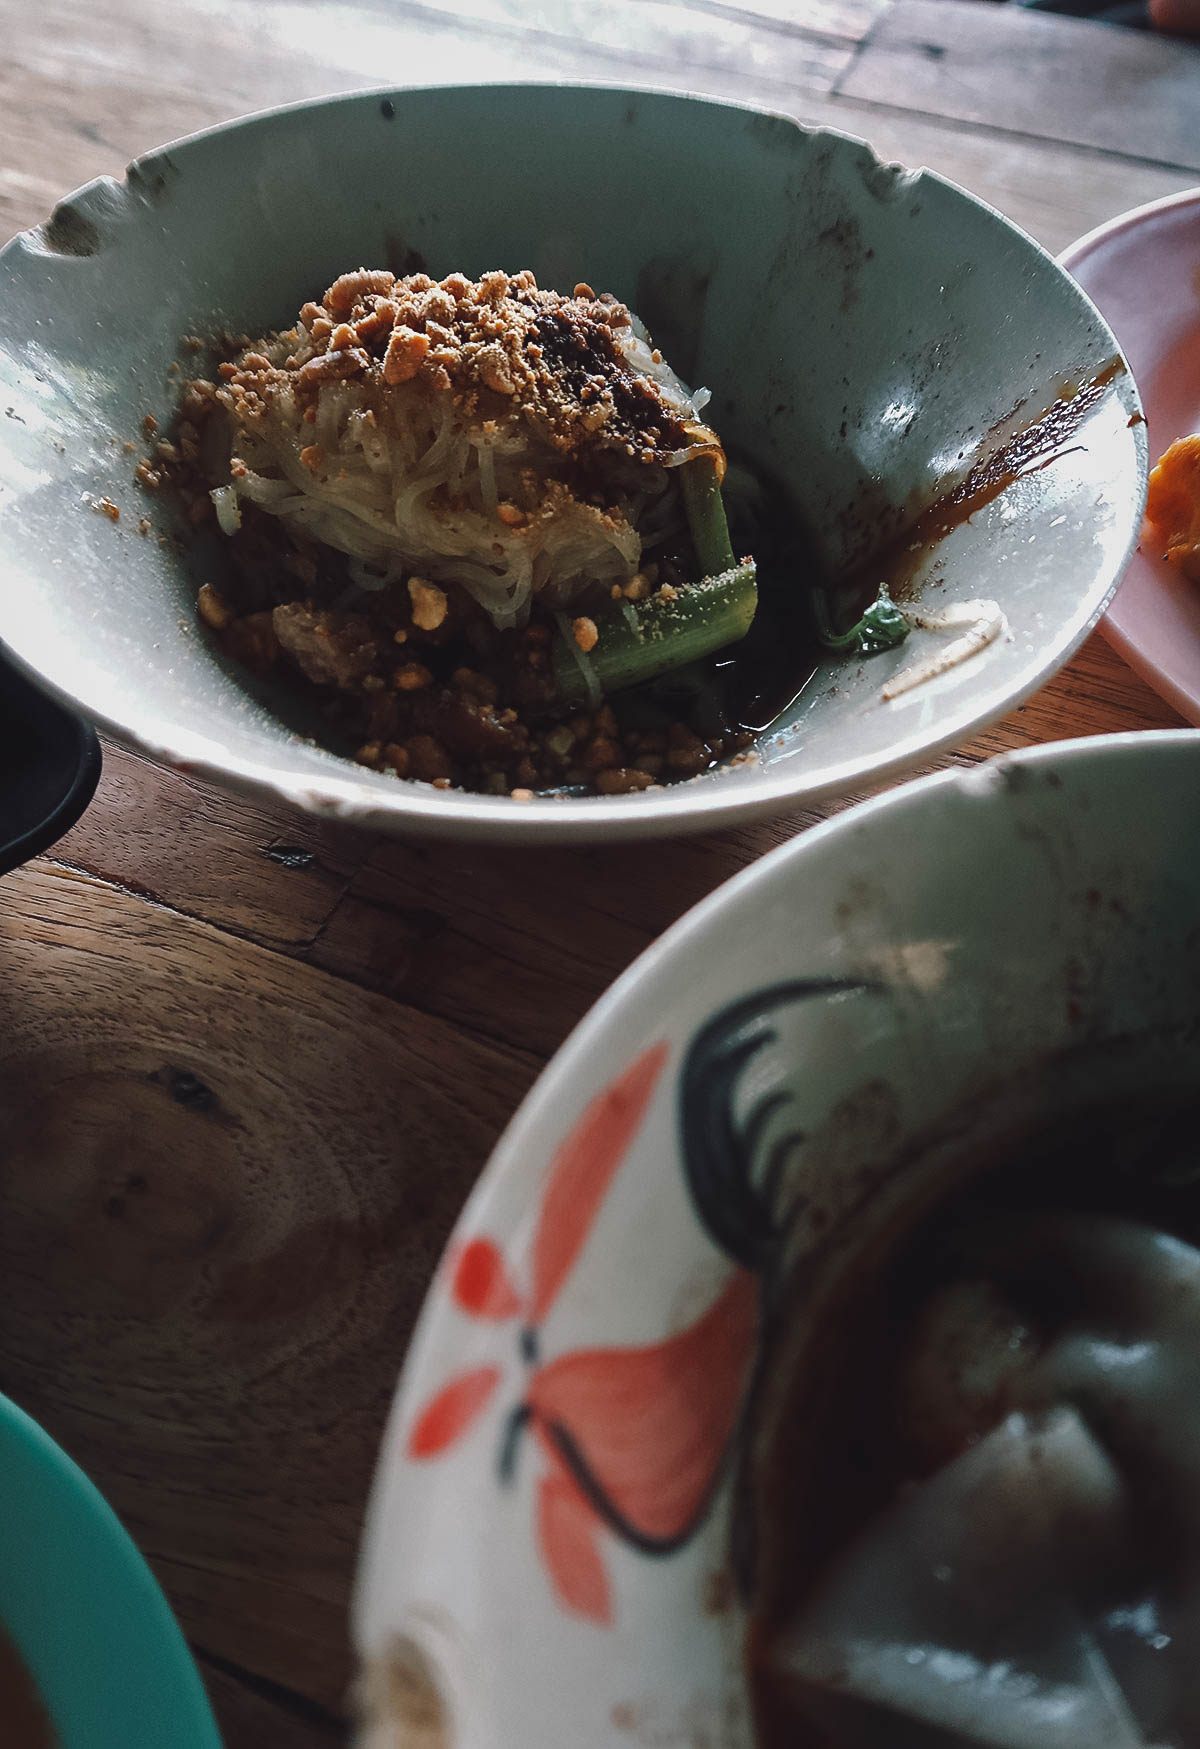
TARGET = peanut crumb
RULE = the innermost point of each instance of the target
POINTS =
(412, 677)
(214, 610)
(521, 795)
(406, 352)
(586, 635)
(619, 781)
(429, 604)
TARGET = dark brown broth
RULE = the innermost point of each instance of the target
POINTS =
(754, 682)
(838, 1439)
(24, 1721)
(766, 673)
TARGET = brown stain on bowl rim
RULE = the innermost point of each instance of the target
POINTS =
(1034, 446)
(400, 1702)
(69, 232)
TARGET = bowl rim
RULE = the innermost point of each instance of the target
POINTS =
(1125, 221)
(689, 929)
(120, 1588)
(715, 800)
(1111, 627)
(565, 1081)
(76, 792)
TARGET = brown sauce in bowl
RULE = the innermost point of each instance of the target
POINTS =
(842, 1432)
(24, 1721)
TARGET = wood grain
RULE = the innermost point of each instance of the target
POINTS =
(74, 108)
(267, 873)
(250, 1062)
(264, 1715)
(82, 90)
(226, 1180)
(1056, 191)
(480, 938)
(1056, 78)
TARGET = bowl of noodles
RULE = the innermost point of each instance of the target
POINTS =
(671, 465)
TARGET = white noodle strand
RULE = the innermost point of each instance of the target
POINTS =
(985, 622)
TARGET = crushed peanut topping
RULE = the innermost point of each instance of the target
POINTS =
(213, 608)
(504, 348)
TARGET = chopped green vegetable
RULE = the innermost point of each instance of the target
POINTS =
(705, 511)
(658, 635)
(882, 627)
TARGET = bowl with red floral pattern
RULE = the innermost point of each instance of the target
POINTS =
(559, 1550)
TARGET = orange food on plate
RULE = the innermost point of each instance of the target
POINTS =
(1173, 504)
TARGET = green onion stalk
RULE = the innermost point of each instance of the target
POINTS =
(882, 627)
(638, 641)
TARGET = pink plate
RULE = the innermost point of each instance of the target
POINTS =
(1142, 270)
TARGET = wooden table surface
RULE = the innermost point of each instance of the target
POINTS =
(251, 1063)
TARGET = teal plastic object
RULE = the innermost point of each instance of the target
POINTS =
(84, 1610)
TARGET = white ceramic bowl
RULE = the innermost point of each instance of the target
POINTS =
(547, 1551)
(863, 328)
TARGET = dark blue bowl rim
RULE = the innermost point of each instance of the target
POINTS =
(80, 776)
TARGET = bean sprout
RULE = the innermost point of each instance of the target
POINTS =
(985, 622)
